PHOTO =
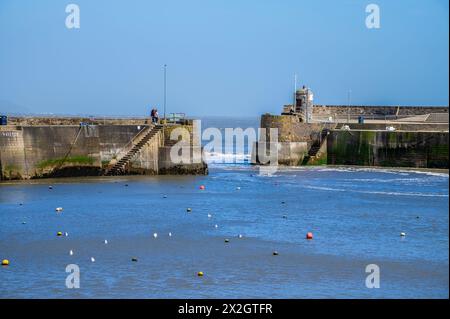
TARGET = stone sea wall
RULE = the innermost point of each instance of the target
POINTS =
(392, 149)
(72, 150)
(410, 145)
(377, 110)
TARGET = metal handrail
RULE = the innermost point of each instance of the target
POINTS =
(127, 147)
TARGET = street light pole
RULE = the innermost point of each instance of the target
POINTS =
(165, 90)
(349, 99)
(295, 92)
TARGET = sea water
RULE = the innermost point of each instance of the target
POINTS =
(356, 216)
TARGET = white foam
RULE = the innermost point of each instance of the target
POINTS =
(397, 171)
(376, 192)
(226, 158)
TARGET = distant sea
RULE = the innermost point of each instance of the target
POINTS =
(356, 216)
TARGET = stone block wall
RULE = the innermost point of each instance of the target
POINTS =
(74, 150)
(391, 149)
(377, 110)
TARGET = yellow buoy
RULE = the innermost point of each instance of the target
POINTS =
(59, 233)
(200, 273)
(5, 262)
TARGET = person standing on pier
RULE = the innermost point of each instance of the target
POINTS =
(152, 114)
(156, 115)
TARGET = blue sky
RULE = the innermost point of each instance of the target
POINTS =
(224, 57)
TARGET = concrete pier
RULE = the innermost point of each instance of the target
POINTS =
(360, 135)
(64, 147)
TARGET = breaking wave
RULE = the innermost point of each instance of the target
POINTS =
(226, 158)
(375, 192)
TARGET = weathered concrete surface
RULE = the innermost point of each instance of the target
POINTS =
(69, 120)
(73, 150)
(288, 153)
(290, 129)
(392, 149)
(185, 145)
(386, 152)
(377, 110)
(432, 127)
(190, 163)
(294, 139)
(74, 120)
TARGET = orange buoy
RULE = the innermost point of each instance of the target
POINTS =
(202, 187)
(309, 235)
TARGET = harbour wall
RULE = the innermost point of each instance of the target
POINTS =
(422, 145)
(368, 110)
(392, 149)
(84, 150)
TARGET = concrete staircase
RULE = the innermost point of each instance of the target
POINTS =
(315, 147)
(136, 145)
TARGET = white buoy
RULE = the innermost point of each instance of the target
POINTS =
(216, 226)
(59, 209)
(66, 234)
(170, 234)
(209, 215)
(106, 241)
(240, 236)
(71, 252)
(402, 234)
(238, 188)
(155, 235)
(93, 259)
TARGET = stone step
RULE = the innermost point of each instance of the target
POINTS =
(117, 168)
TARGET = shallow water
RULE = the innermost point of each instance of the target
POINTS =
(356, 216)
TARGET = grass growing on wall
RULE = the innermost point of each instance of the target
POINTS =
(10, 171)
(84, 160)
(105, 163)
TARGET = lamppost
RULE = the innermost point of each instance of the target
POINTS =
(295, 92)
(165, 90)
(349, 98)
